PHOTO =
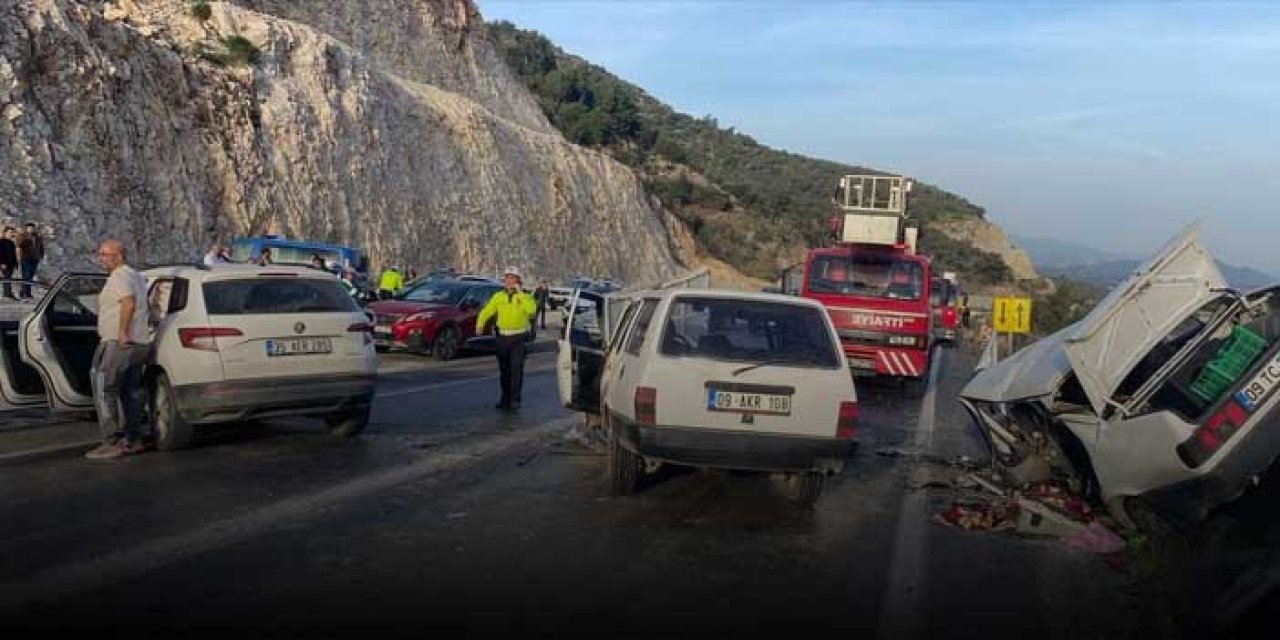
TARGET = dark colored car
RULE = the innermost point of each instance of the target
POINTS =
(436, 316)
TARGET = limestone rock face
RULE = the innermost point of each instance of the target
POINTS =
(388, 125)
(989, 237)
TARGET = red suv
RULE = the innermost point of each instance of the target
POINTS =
(436, 317)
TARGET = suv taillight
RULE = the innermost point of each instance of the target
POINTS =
(205, 338)
(1214, 433)
(847, 423)
(364, 328)
(646, 405)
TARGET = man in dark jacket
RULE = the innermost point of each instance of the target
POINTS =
(540, 296)
(30, 253)
(8, 259)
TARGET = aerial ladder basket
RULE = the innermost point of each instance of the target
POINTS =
(872, 210)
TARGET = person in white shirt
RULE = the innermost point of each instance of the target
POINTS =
(217, 255)
(123, 347)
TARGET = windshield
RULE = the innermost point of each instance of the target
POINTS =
(868, 275)
(436, 293)
(749, 331)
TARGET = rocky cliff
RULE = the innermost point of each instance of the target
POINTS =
(988, 237)
(389, 125)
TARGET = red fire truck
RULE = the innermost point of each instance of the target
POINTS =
(945, 299)
(873, 283)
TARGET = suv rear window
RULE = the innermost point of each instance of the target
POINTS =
(261, 296)
(749, 331)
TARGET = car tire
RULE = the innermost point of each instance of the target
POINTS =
(809, 486)
(349, 423)
(171, 431)
(446, 344)
(624, 467)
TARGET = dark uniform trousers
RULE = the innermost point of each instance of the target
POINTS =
(511, 366)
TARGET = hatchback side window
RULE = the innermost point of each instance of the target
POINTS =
(624, 327)
(641, 326)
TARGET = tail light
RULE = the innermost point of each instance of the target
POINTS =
(646, 405)
(948, 317)
(1211, 435)
(205, 338)
(364, 328)
(847, 423)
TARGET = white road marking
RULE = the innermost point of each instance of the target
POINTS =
(115, 567)
(901, 614)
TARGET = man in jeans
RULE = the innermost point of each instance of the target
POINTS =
(122, 352)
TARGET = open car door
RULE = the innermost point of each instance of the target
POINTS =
(20, 384)
(580, 351)
(593, 322)
(59, 337)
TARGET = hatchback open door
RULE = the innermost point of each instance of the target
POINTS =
(59, 337)
(580, 351)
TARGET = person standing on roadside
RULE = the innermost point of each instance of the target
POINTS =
(216, 255)
(124, 343)
(30, 253)
(264, 258)
(541, 295)
(8, 259)
(514, 310)
(390, 283)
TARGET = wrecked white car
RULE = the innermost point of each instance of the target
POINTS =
(1160, 404)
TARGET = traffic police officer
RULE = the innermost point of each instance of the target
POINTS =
(515, 311)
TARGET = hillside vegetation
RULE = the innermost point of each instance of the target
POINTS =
(754, 207)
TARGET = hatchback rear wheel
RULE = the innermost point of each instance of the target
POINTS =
(809, 486)
(171, 431)
(624, 467)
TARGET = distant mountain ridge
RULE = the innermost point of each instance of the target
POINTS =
(1062, 259)
(1049, 253)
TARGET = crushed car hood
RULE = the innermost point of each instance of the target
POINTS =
(1140, 312)
(1033, 372)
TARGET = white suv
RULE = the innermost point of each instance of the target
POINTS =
(711, 379)
(231, 343)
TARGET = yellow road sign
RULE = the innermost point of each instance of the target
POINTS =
(1011, 315)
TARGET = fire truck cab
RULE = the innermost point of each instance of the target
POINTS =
(874, 285)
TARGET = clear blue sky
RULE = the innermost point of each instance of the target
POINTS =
(1110, 124)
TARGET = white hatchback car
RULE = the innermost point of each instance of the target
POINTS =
(711, 379)
(231, 342)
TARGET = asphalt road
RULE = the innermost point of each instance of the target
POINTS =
(449, 515)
